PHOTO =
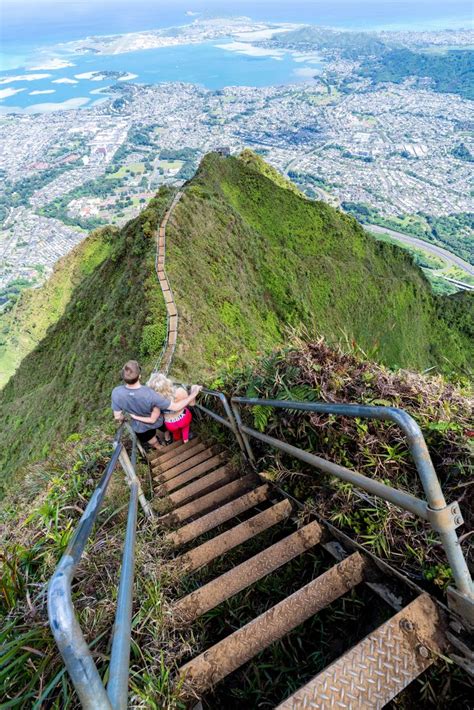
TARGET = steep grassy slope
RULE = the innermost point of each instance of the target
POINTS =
(247, 258)
(26, 323)
(115, 312)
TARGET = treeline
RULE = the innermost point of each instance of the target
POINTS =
(452, 72)
(17, 194)
(454, 231)
(179, 154)
(92, 188)
(350, 44)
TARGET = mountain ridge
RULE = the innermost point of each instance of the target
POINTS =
(248, 260)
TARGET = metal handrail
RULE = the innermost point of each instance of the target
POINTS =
(443, 518)
(63, 621)
(61, 612)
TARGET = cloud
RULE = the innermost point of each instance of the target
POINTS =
(51, 64)
(64, 80)
(5, 93)
(251, 51)
(24, 77)
(45, 91)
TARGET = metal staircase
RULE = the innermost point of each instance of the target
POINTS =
(366, 676)
(213, 508)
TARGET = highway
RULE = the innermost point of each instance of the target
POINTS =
(426, 246)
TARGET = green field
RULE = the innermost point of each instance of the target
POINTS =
(170, 164)
(125, 170)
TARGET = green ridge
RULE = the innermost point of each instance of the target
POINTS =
(247, 258)
(115, 311)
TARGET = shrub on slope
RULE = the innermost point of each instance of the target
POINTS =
(312, 371)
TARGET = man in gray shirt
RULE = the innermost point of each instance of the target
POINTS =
(135, 398)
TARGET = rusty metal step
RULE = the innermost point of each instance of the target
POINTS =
(233, 651)
(226, 585)
(186, 466)
(379, 667)
(210, 500)
(203, 485)
(217, 546)
(171, 451)
(189, 475)
(178, 457)
(218, 516)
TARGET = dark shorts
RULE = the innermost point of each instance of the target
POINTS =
(145, 436)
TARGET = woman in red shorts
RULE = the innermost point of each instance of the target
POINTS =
(178, 423)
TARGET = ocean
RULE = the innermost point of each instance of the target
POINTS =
(30, 25)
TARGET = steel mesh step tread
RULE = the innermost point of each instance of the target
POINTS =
(217, 546)
(186, 465)
(189, 475)
(210, 500)
(227, 655)
(235, 580)
(204, 484)
(218, 516)
(179, 457)
(380, 666)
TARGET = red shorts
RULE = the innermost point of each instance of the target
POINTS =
(180, 429)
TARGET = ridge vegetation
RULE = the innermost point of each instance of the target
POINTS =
(248, 258)
(114, 311)
(264, 258)
(26, 323)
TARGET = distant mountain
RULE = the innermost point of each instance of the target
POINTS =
(451, 72)
(248, 258)
(351, 44)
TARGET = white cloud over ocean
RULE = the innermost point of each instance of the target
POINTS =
(24, 77)
(5, 93)
(250, 51)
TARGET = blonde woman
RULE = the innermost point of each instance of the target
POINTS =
(177, 422)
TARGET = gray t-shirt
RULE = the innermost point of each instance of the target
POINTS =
(140, 401)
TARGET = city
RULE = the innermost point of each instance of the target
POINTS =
(396, 148)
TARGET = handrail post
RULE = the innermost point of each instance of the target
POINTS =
(232, 424)
(133, 478)
(238, 419)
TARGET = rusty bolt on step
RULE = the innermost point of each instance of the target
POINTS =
(406, 625)
(423, 651)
